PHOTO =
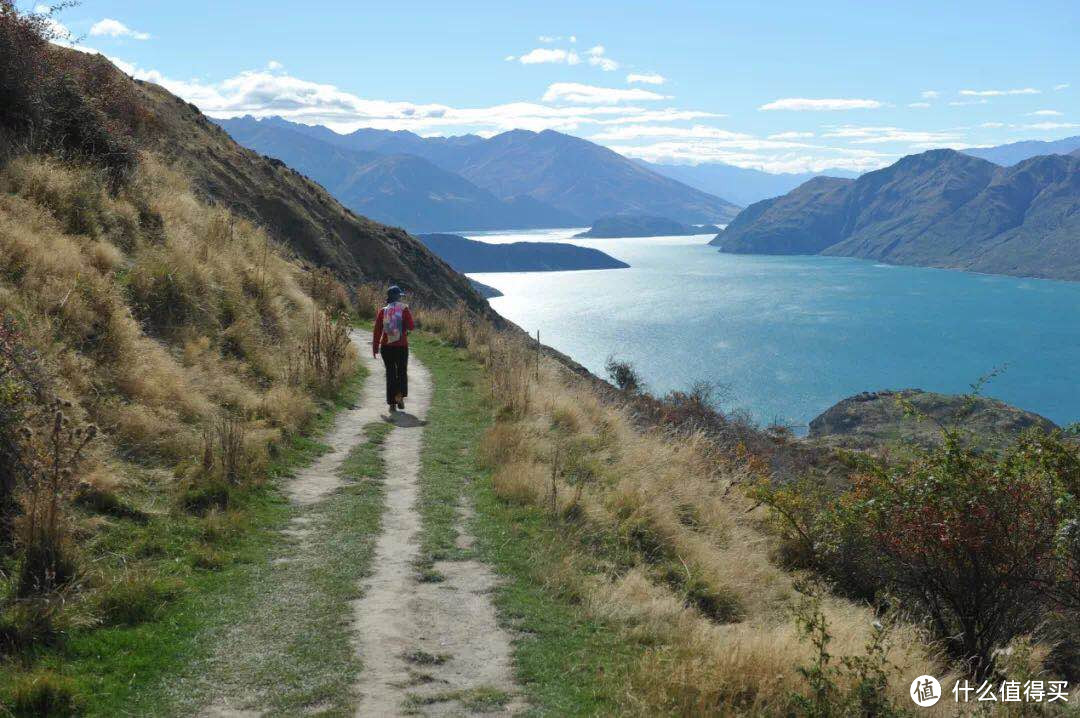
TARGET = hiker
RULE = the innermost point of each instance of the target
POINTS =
(392, 326)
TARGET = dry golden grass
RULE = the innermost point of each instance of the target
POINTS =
(156, 314)
(661, 544)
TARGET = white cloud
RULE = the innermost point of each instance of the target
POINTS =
(992, 125)
(1049, 126)
(670, 114)
(634, 132)
(746, 154)
(930, 94)
(965, 103)
(791, 136)
(114, 28)
(543, 55)
(919, 104)
(1062, 86)
(1000, 93)
(548, 39)
(274, 65)
(802, 104)
(597, 59)
(648, 78)
(1046, 113)
(884, 135)
(573, 38)
(589, 94)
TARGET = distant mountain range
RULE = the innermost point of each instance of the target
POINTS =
(1010, 154)
(515, 180)
(940, 208)
(636, 225)
(746, 186)
(469, 255)
(739, 184)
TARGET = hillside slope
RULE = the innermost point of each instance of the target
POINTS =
(400, 189)
(939, 209)
(295, 211)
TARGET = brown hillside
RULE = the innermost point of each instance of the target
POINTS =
(292, 209)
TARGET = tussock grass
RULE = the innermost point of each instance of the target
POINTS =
(651, 537)
(173, 329)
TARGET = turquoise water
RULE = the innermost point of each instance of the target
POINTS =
(790, 336)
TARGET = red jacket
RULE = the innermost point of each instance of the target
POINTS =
(378, 339)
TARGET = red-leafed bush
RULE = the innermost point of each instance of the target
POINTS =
(982, 546)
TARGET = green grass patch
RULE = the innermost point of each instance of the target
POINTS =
(169, 581)
(567, 663)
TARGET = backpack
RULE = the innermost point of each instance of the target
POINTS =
(394, 321)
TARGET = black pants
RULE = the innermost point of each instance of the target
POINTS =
(396, 360)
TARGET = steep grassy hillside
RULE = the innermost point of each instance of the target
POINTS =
(294, 210)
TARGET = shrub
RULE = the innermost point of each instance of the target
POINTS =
(52, 469)
(58, 101)
(623, 375)
(977, 543)
(327, 350)
(854, 685)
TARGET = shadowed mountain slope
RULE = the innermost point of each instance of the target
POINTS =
(938, 209)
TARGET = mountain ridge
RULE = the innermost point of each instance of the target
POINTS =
(940, 208)
(572, 175)
(400, 189)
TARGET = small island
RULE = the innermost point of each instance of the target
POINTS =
(469, 255)
(881, 420)
(631, 225)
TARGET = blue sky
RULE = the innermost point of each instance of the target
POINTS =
(781, 86)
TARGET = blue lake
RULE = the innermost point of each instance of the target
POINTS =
(790, 336)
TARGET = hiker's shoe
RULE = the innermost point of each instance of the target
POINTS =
(393, 408)
(401, 405)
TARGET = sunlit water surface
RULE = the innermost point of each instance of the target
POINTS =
(790, 336)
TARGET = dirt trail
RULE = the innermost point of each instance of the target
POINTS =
(321, 477)
(427, 648)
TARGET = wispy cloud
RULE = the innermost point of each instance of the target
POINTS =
(965, 103)
(648, 78)
(1000, 93)
(590, 94)
(930, 94)
(992, 125)
(1049, 126)
(858, 135)
(919, 105)
(1046, 113)
(803, 104)
(791, 136)
(597, 58)
(634, 132)
(547, 55)
(114, 28)
(1062, 86)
